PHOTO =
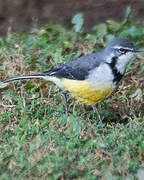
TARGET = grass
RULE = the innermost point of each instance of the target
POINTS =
(36, 139)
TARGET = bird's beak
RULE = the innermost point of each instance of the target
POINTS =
(136, 49)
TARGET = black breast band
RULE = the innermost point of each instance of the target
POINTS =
(117, 75)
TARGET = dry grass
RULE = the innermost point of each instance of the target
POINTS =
(38, 142)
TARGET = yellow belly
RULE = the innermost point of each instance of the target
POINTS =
(86, 92)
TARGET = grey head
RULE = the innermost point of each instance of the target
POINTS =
(122, 46)
(119, 52)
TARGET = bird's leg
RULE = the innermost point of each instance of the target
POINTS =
(64, 99)
(98, 115)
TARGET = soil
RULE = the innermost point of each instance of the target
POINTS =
(22, 15)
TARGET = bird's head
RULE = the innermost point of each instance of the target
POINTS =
(119, 52)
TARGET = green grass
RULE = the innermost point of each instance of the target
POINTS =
(36, 139)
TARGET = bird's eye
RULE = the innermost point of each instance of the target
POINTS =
(122, 51)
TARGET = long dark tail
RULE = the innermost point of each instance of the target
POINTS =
(14, 79)
(36, 76)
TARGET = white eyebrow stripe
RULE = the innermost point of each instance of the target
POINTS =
(118, 47)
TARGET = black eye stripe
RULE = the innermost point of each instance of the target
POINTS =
(123, 51)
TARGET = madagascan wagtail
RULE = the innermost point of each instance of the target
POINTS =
(90, 78)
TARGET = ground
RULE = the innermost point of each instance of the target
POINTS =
(22, 15)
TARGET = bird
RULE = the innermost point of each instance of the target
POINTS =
(92, 77)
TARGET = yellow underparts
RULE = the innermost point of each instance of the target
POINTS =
(86, 92)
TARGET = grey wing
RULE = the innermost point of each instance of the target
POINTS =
(78, 69)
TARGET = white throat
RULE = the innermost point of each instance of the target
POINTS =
(122, 62)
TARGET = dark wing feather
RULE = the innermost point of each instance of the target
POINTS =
(78, 69)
